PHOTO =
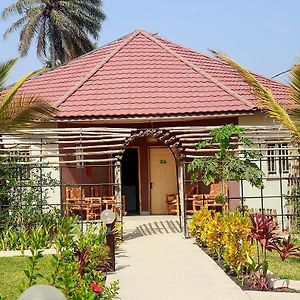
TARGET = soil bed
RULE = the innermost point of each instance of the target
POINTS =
(245, 285)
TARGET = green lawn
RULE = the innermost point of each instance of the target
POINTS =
(288, 269)
(12, 275)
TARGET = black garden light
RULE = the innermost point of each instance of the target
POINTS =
(108, 217)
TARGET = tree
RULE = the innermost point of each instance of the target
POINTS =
(289, 117)
(62, 28)
(16, 110)
(225, 165)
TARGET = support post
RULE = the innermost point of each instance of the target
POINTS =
(110, 241)
(181, 173)
(118, 191)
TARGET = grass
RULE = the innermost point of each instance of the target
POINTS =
(288, 269)
(12, 274)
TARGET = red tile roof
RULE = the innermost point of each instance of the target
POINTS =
(144, 75)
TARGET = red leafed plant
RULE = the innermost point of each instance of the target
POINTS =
(286, 248)
(263, 234)
(263, 230)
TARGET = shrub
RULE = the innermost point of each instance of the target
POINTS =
(78, 264)
(213, 235)
(22, 239)
(225, 235)
(237, 245)
(199, 221)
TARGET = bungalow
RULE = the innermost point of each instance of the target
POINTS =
(129, 115)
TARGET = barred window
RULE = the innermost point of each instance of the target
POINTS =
(271, 153)
(283, 158)
(277, 158)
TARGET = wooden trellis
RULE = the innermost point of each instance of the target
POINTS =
(104, 147)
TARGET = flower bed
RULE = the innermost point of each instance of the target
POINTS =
(79, 266)
(240, 244)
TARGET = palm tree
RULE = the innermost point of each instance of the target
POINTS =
(62, 28)
(290, 118)
(16, 110)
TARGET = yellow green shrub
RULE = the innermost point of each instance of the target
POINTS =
(236, 241)
(199, 220)
(213, 234)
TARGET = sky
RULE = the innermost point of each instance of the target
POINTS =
(262, 35)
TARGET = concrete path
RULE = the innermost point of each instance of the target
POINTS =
(156, 263)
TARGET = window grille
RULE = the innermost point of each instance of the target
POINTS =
(278, 158)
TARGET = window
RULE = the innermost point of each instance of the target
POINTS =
(278, 158)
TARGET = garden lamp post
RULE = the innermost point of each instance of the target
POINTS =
(108, 217)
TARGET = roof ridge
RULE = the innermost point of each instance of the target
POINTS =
(90, 74)
(197, 69)
(220, 61)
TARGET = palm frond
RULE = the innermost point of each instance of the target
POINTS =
(18, 7)
(5, 70)
(295, 83)
(25, 111)
(19, 111)
(29, 31)
(264, 96)
(8, 98)
(15, 26)
(42, 40)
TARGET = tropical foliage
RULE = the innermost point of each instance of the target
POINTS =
(242, 242)
(289, 116)
(225, 235)
(18, 111)
(78, 264)
(62, 29)
(225, 165)
(263, 234)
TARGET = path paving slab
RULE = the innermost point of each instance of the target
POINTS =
(155, 262)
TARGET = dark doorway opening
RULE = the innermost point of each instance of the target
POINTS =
(130, 180)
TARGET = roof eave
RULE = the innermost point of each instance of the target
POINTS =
(157, 117)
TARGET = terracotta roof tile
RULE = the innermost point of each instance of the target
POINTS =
(143, 74)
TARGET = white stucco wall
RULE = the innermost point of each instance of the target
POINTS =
(273, 189)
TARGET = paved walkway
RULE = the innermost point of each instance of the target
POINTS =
(156, 263)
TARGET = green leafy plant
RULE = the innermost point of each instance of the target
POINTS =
(24, 239)
(24, 194)
(225, 165)
(80, 262)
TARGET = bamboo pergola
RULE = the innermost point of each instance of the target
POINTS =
(104, 147)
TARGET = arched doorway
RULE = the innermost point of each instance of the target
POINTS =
(149, 171)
